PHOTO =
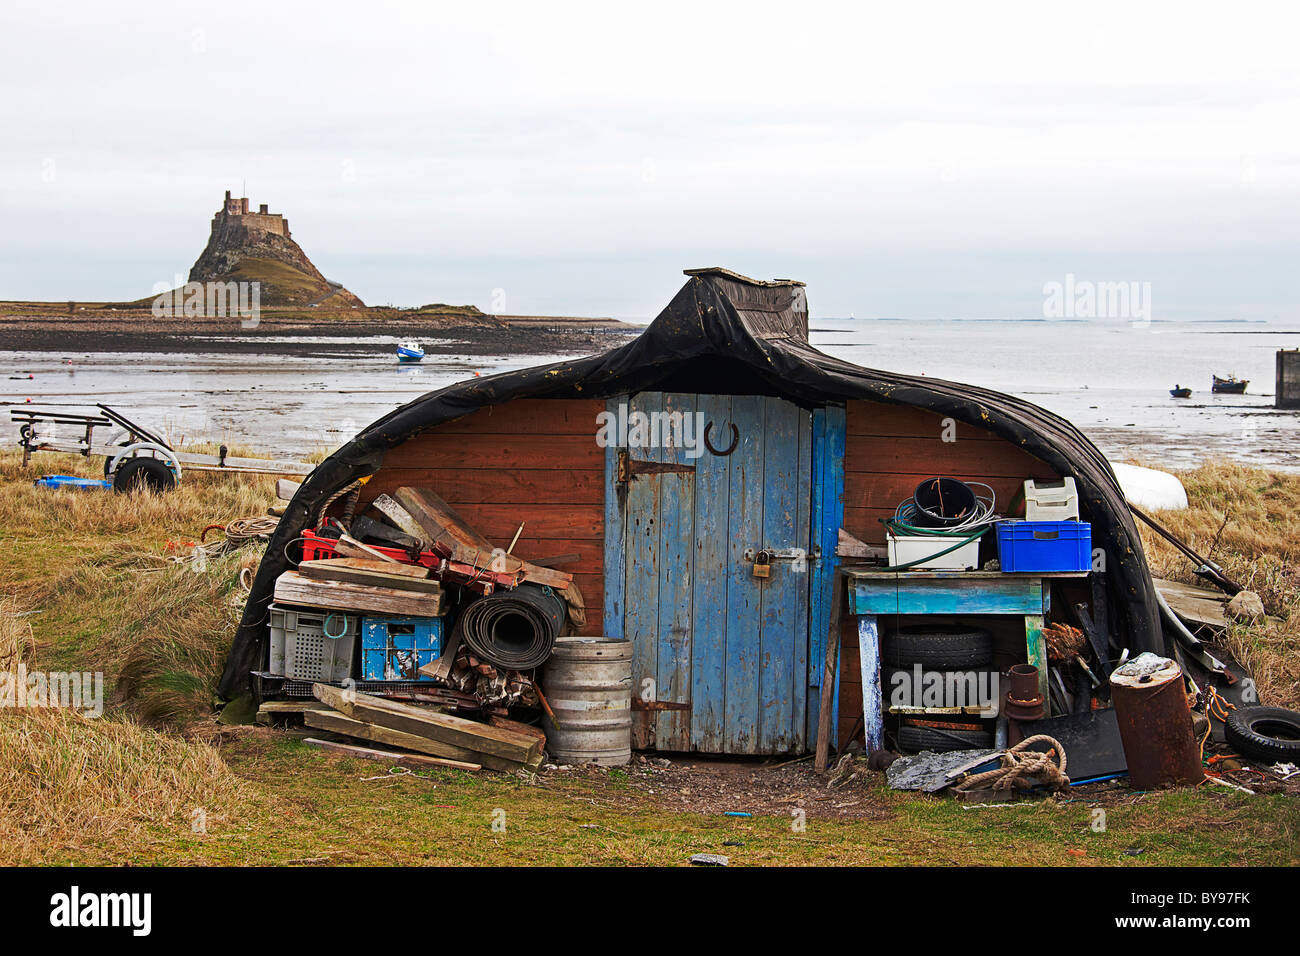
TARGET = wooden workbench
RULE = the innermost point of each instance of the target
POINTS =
(873, 593)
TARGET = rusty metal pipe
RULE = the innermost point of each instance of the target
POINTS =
(1024, 683)
(1155, 724)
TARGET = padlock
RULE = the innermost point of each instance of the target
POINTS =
(763, 564)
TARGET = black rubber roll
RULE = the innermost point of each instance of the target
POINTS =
(514, 630)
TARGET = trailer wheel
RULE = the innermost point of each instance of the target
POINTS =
(147, 474)
(1265, 733)
(120, 440)
(940, 648)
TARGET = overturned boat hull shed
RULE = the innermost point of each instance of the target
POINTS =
(713, 550)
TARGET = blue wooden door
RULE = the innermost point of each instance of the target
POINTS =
(721, 657)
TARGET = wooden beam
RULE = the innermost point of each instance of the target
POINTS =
(400, 577)
(402, 760)
(467, 734)
(285, 489)
(351, 727)
(350, 547)
(290, 706)
(294, 588)
(825, 717)
(274, 708)
(1193, 604)
(399, 516)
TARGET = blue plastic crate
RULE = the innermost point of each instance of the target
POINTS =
(1045, 545)
(395, 648)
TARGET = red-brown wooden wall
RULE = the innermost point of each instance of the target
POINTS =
(536, 461)
(533, 460)
(889, 449)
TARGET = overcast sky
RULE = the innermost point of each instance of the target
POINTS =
(931, 161)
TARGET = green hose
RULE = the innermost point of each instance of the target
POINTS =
(966, 538)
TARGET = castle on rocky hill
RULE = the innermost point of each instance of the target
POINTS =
(257, 246)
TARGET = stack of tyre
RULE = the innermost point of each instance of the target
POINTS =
(940, 649)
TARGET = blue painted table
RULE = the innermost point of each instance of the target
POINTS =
(873, 593)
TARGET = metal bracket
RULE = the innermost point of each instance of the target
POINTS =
(783, 554)
(654, 705)
(629, 467)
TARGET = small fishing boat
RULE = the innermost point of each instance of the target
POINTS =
(1180, 392)
(1230, 385)
(409, 352)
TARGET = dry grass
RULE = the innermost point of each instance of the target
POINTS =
(15, 638)
(96, 569)
(112, 790)
(202, 498)
(1248, 521)
(105, 574)
(67, 781)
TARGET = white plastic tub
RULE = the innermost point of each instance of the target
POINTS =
(903, 549)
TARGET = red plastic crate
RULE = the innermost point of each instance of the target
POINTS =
(317, 548)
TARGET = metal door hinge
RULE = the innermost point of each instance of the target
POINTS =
(629, 467)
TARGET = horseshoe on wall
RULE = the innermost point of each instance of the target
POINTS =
(735, 440)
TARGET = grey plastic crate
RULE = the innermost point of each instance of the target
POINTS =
(300, 648)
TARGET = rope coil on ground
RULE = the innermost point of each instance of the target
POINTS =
(1019, 764)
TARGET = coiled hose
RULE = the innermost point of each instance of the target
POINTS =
(951, 538)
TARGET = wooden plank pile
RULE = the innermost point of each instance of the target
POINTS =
(469, 555)
(375, 573)
(424, 730)
(395, 594)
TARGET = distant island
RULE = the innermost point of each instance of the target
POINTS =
(255, 252)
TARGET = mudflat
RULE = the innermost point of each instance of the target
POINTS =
(98, 327)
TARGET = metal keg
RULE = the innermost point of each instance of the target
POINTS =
(588, 683)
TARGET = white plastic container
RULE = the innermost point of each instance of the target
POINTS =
(1051, 500)
(302, 645)
(903, 549)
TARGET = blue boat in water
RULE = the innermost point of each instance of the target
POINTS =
(409, 352)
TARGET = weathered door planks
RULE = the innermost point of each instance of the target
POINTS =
(642, 568)
(676, 539)
(744, 592)
(709, 617)
(705, 630)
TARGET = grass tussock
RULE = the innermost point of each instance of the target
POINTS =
(67, 781)
(1245, 519)
(15, 638)
(113, 584)
(64, 516)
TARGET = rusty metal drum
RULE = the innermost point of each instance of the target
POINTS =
(588, 683)
(1155, 723)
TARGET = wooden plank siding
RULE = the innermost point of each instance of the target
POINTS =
(536, 460)
(888, 450)
(530, 460)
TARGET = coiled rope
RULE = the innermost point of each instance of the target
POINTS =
(1019, 764)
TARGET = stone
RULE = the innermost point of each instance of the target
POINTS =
(1246, 606)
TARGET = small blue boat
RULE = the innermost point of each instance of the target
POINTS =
(409, 352)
